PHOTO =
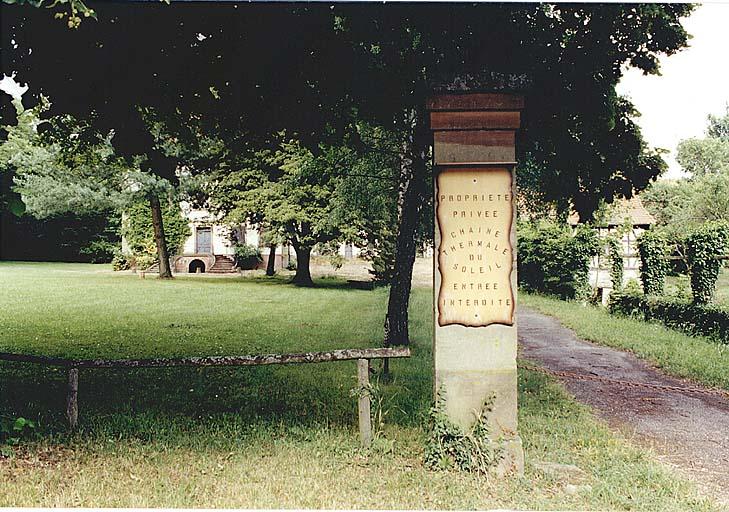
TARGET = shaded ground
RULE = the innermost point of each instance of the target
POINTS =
(359, 270)
(688, 431)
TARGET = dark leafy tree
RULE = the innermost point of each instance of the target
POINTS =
(307, 66)
(578, 132)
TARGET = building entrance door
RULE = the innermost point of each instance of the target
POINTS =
(204, 241)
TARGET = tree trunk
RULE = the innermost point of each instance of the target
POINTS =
(271, 263)
(412, 187)
(303, 274)
(159, 238)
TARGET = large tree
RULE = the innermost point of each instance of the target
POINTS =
(307, 66)
(287, 189)
(577, 132)
(708, 155)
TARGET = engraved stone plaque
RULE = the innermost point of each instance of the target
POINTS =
(475, 257)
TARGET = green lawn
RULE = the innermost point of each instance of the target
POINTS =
(674, 283)
(268, 437)
(692, 357)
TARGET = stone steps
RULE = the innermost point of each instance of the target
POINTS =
(223, 265)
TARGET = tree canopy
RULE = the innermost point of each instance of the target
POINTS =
(703, 196)
(305, 67)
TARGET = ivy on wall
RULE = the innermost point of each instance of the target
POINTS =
(653, 250)
(703, 245)
(615, 252)
(138, 232)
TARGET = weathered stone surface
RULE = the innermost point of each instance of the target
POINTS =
(473, 146)
(466, 392)
(485, 120)
(476, 101)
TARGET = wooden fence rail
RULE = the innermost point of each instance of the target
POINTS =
(361, 355)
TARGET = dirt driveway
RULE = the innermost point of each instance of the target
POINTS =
(689, 432)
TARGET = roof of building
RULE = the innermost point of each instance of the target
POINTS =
(622, 209)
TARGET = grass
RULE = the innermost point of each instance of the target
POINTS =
(681, 283)
(266, 437)
(692, 357)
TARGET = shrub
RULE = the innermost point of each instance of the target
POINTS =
(653, 250)
(100, 251)
(120, 262)
(450, 447)
(691, 318)
(702, 247)
(247, 256)
(12, 431)
(555, 260)
(337, 261)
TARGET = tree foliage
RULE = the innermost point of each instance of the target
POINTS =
(705, 156)
(682, 205)
(287, 188)
(381, 59)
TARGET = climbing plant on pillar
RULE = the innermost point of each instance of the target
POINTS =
(615, 252)
(653, 250)
(703, 245)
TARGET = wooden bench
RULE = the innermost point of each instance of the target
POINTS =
(361, 355)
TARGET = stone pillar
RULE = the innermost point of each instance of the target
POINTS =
(475, 260)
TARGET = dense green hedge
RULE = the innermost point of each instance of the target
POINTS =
(691, 318)
(703, 245)
(653, 249)
(554, 259)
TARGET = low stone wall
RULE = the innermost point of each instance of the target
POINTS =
(181, 264)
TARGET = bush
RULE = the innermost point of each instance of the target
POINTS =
(100, 251)
(120, 262)
(247, 257)
(653, 250)
(337, 261)
(691, 318)
(13, 431)
(450, 447)
(555, 260)
(702, 247)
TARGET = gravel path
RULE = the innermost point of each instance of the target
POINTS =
(688, 431)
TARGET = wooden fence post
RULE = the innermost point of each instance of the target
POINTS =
(72, 399)
(365, 421)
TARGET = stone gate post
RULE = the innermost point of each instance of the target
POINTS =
(475, 259)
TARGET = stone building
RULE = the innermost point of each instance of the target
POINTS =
(630, 218)
(211, 245)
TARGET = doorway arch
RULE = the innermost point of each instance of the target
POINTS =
(196, 266)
